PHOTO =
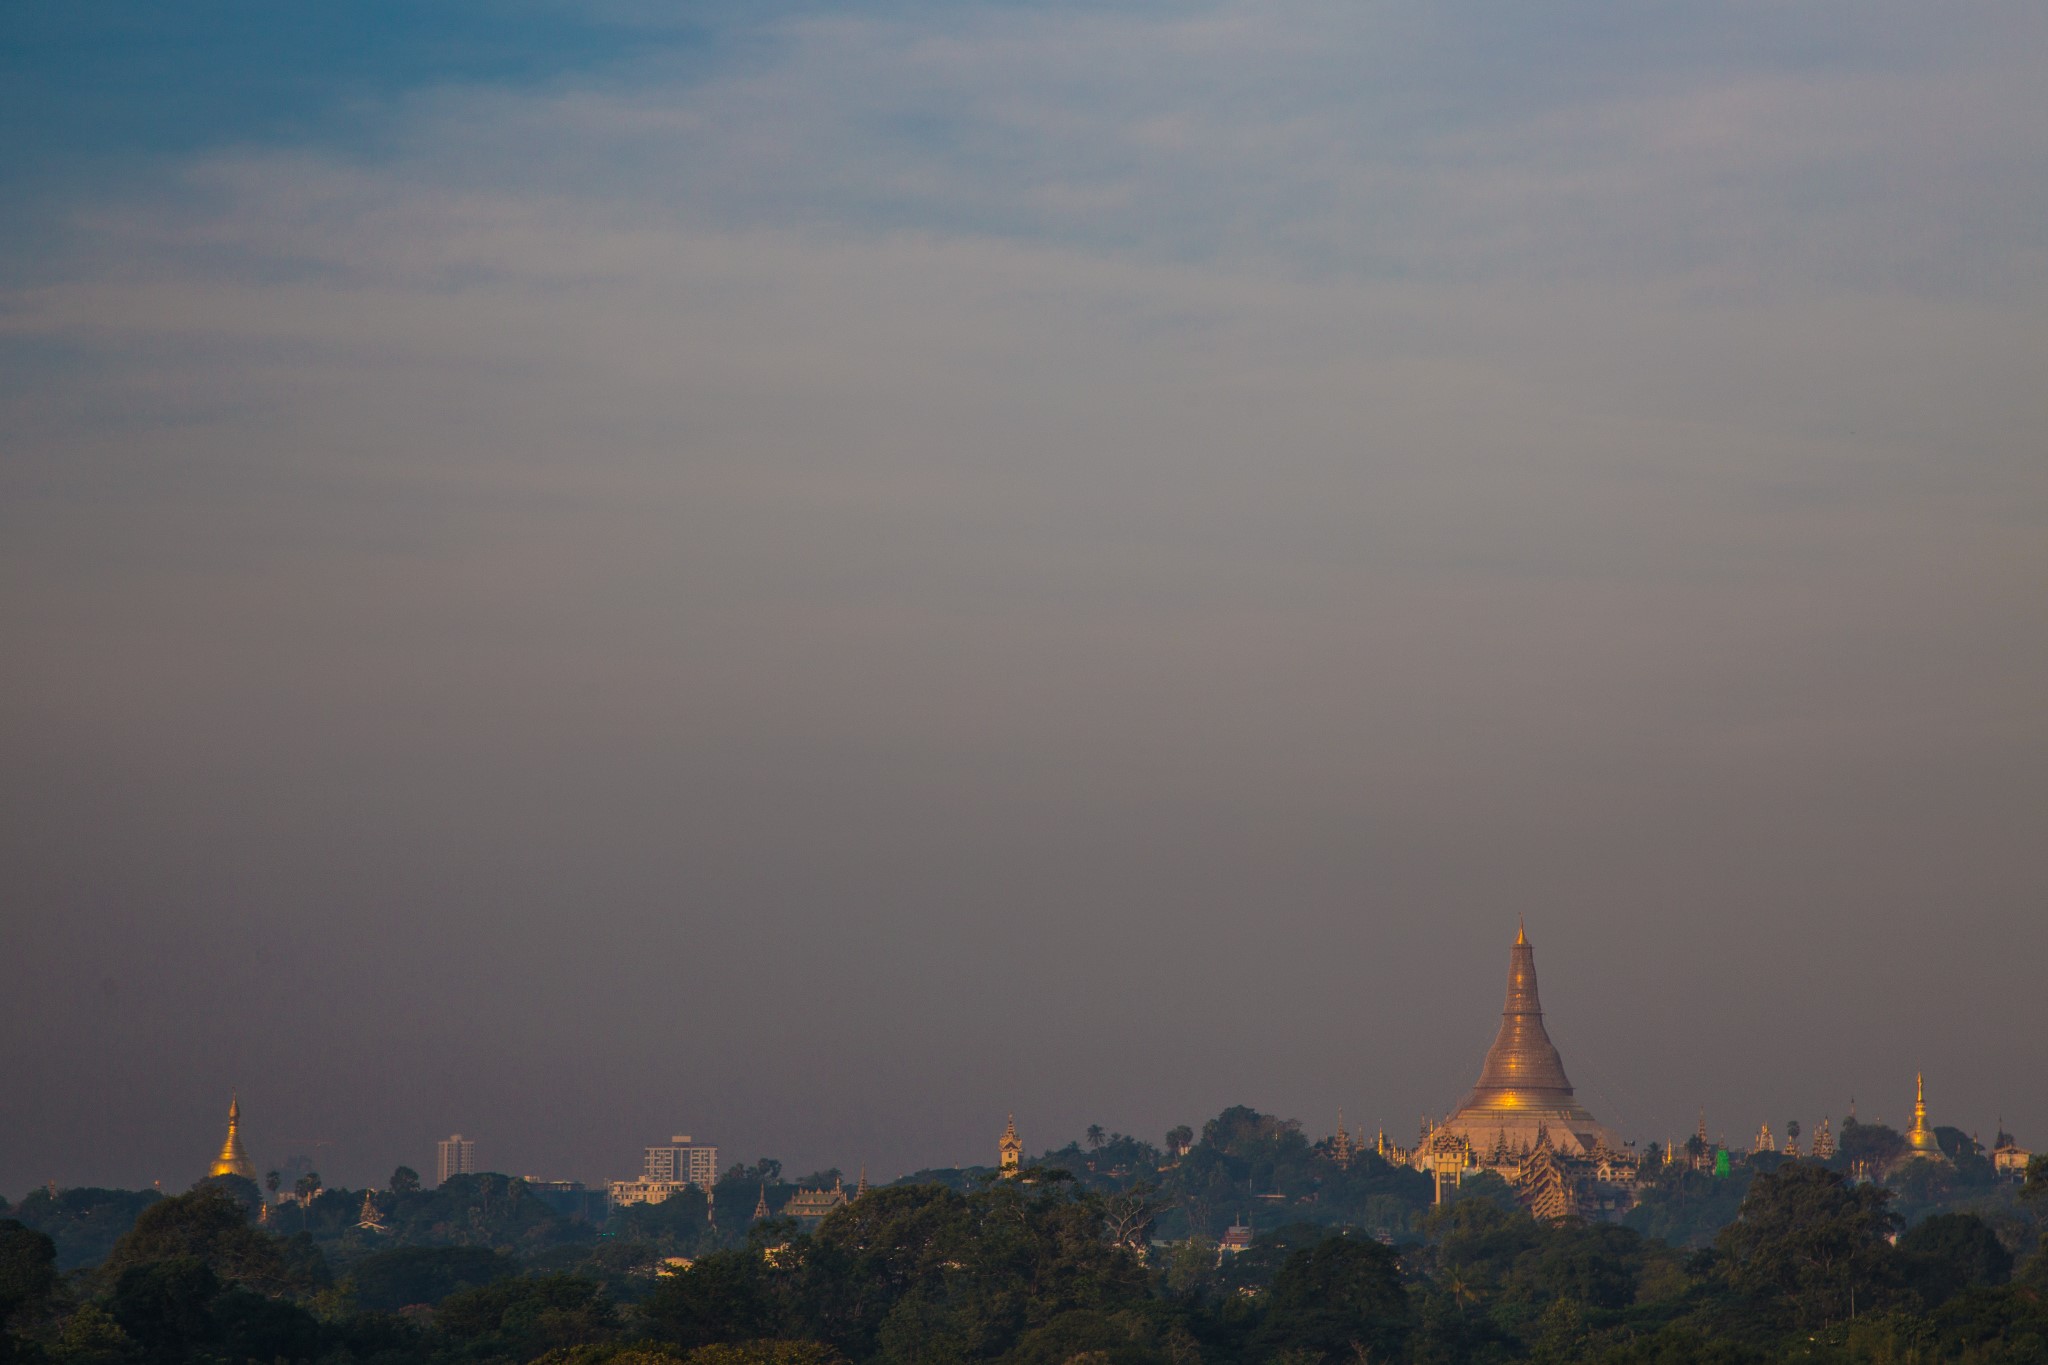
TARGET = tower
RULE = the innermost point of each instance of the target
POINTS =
(1823, 1142)
(862, 1187)
(232, 1159)
(761, 1204)
(1010, 1150)
(1341, 1149)
(456, 1155)
(1921, 1144)
(1522, 1087)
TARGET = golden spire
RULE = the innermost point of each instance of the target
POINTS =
(232, 1159)
(1521, 932)
(1921, 1142)
(1522, 1062)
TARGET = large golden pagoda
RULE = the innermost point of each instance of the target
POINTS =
(232, 1159)
(1921, 1144)
(1523, 1092)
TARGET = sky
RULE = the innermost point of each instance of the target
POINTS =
(816, 576)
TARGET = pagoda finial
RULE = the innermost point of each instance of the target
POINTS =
(1521, 932)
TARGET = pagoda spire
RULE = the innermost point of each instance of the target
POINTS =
(862, 1187)
(1921, 1142)
(761, 1204)
(1522, 1067)
(232, 1159)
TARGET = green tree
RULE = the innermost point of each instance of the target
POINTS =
(525, 1318)
(1951, 1252)
(1811, 1244)
(723, 1297)
(404, 1180)
(1341, 1299)
(2036, 1188)
(210, 1227)
(28, 1269)
(387, 1281)
(164, 1306)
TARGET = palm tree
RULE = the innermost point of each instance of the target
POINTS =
(306, 1188)
(271, 1181)
(1461, 1291)
(1095, 1137)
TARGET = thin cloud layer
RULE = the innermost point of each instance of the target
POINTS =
(1040, 519)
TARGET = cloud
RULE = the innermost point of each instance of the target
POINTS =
(951, 485)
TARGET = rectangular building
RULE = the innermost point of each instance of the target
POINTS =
(668, 1169)
(457, 1157)
(683, 1162)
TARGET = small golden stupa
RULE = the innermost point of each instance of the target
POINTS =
(232, 1159)
(1921, 1144)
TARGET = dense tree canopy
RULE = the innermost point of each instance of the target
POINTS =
(1103, 1254)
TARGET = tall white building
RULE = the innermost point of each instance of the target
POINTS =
(457, 1157)
(668, 1170)
(683, 1161)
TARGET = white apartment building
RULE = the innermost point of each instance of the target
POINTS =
(667, 1170)
(457, 1157)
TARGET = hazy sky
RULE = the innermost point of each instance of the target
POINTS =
(814, 576)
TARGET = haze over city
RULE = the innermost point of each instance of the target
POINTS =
(816, 578)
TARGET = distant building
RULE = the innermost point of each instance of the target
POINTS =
(456, 1156)
(568, 1198)
(1010, 1150)
(232, 1159)
(1824, 1142)
(810, 1207)
(625, 1193)
(2008, 1158)
(1236, 1238)
(682, 1161)
(668, 1170)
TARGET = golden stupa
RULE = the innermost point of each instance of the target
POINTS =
(1522, 1091)
(232, 1159)
(1921, 1144)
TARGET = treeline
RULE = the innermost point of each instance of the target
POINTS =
(1044, 1271)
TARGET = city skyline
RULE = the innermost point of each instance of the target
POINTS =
(1522, 1087)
